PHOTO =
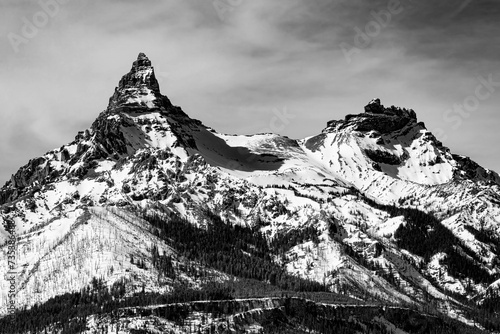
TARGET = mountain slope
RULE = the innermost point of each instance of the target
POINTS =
(374, 207)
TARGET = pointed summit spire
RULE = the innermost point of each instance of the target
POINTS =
(139, 88)
(142, 60)
(142, 75)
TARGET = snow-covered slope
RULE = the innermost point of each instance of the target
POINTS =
(362, 186)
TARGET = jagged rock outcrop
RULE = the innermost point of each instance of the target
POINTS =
(471, 170)
(384, 157)
(375, 107)
(377, 118)
(138, 88)
(108, 133)
(36, 170)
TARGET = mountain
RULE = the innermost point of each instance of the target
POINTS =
(253, 233)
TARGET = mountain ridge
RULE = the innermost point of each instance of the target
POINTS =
(352, 201)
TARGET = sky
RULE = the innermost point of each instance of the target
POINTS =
(250, 66)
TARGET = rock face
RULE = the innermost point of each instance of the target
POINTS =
(374, 107)
(377, 118)
(36, 171)
(139, 88)
(383, 157)
(471, 170)
(141, 74)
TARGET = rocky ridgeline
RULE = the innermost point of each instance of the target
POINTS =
(470, 170)
(377, 118)
(376, 108)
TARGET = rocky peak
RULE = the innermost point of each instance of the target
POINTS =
(141, 75)
(377, 108)
(376, 117)
(374, 107)
(142, 61)
(138, 88)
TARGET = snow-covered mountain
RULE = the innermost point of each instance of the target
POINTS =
(374, 207)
